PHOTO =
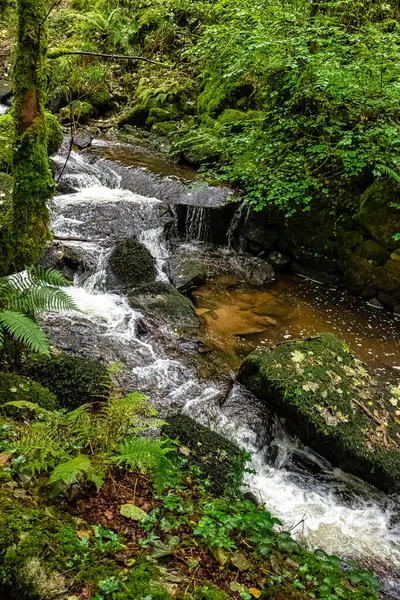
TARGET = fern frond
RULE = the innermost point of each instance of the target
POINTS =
(385, 170)
(75, 470)
(150, 457)
(50, 276)
(22, 329)
(25, 404)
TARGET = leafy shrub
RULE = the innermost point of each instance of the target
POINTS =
(73, 379)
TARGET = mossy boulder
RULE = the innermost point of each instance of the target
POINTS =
(15, 388)
(132, 263)
(368, 279)
(236, 120)
(159, 115)
(350, 239)
(376, 214)
(165, 304)
(73, 379)
(372, 251)
(101, 101)
(136, 116)
(332, 404)
(219, 459)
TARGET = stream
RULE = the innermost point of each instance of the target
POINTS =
(113, 192)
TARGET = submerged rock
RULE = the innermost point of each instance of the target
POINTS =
(332, 404)
(164, 303)
(187, 273)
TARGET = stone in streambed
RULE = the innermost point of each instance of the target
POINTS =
(332, 404)
(164, 303)
(279, 261)
(187, 273)
(132, 263)
(281, 307)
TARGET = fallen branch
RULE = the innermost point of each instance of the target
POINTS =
(58, 53)
(368, 412)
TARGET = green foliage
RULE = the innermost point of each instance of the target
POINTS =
(150, 457)
(74, 470)
(24, 294)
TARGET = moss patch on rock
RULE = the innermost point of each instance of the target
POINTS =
(164, 303)
(372, 251)
(219, 459)
(16, 388)
(333, 403)
(376, 214)
(132, 263)
(73, 379)
(6, 183)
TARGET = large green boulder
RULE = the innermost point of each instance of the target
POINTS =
(17, 388)
(332, 404)
(164, 304)
(378, 216)
(132, 263)
(73, 379)
(219, 459)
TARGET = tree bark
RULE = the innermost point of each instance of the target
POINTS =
(25, 231)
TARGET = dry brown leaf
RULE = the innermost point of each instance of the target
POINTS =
(4, 458)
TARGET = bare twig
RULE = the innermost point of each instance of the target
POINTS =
(58, 53)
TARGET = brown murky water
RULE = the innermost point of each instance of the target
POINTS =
(241, 318)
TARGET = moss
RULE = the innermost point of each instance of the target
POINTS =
(220, 460)
(143, 581)
(16, 387)
(159, 115)
(319, 385)
(132, 263)
(6, 183)
(236, 120)
(201, 146)
(101, 101)
(372, 251)
(396, 255)
(165, 129)
(163, 302)
(137, 116)
(350, 239)
(73, 379)
(26, 226)
(55, 135)
(207, 592)
(78, 111)
(6, 139)
(382, 221)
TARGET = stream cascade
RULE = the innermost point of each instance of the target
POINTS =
(105, 202)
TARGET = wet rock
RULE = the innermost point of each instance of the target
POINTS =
(70, 259)
(279, 261)
(132, 263)
(350, 239)
(396, 310)
(255, 247)
(187, 273)
(321, 388)
(83, 139)
(261, 272)
(375, 303)
(165, 304)
(64, 187)
(387, 299)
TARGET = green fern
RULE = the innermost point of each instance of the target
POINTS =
(22, 329)
(384, 170)
(24, 294)
(150, 457)
(75, 470)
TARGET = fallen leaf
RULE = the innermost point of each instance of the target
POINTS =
(109, 515)
(240, 562)
(4, 458)
(130, 511)
(83, 534)
(236, 587)
(255, 592)
(220, 556)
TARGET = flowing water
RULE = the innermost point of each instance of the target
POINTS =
(337, 512)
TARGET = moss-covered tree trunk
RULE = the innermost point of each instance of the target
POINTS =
(25, 232)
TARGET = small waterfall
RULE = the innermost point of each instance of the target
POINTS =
(235, 241)
(198, 224)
